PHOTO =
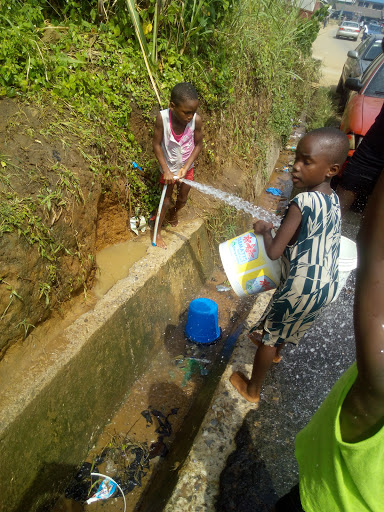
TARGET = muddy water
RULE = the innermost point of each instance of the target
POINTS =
(113, 263)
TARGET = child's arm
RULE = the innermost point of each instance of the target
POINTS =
(362, 413)
(286, 233)
(156, 144)
(198, 137)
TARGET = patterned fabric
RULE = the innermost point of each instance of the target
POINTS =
(310, 271)
(177, 152)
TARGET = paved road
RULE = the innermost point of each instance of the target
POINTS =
(333, 53)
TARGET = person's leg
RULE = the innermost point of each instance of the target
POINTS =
(278, 356)
(167, 200)
(263, 361)
(250, 388)
(256, 338)
(182, 196)
(346, 198)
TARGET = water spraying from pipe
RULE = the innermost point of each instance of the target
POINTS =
(237, 202)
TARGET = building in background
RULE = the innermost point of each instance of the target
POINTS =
(360, 9)
(308, 7)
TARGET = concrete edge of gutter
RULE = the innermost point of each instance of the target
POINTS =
(199, 477)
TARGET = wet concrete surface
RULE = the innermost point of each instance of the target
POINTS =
(167, 389)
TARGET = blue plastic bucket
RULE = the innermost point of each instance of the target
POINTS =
(203, 321)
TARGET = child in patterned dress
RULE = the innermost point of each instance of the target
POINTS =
(308, 241)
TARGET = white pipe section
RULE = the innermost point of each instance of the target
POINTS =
(158, 215)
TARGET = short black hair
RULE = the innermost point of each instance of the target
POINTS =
(182, 92)
(334, 142)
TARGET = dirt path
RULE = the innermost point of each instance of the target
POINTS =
(333, 53)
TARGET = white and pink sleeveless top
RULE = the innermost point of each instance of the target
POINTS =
(177, 148)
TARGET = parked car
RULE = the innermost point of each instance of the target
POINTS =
(349, 29)
(364, 103)
(357, 62)
(372, 29)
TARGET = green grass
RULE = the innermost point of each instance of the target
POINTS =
(322, 109)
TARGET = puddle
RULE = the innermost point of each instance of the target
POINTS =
(113, 263)
(45, 343)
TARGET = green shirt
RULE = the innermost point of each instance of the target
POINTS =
(336, 476)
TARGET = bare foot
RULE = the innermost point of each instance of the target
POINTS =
(173, 218)
(160, 242)
(256, 338)
(240, 383)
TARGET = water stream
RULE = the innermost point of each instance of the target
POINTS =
(235, 201)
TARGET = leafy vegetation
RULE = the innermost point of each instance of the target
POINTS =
(322, 110)
(95, 63)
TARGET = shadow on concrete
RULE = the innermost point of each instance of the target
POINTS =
(174, 341)
(165, 395)
(43, 493)
(245, 483)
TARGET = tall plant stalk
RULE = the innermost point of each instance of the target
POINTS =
(155, 31)
(195, 11)
(143, 43)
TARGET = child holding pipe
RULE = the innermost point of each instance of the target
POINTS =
(177, 141)
(308, 241)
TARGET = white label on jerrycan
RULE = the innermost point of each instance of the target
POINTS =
(247, 266)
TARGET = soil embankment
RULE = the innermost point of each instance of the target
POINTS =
(60, 213)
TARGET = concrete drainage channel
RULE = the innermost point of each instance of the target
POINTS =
(127, 354)
(132, 341)
(146, 440)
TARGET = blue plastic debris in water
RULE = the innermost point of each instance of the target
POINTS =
(136, 166)
(106, 490)
(274, 191)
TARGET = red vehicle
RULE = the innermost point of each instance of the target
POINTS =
(364, 103)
